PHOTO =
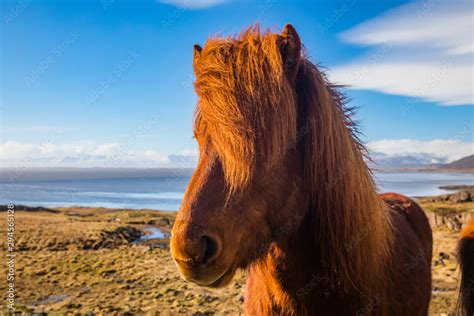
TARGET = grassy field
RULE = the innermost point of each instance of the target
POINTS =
(80, 260)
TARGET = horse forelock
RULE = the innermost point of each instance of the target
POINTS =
(246, 105)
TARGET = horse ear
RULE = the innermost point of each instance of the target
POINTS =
(290, 48)
(196, 54)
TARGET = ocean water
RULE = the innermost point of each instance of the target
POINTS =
(163, 193)
(166, 192)
(416, 184)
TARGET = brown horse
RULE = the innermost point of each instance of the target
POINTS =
(466, 260)
(282, 189)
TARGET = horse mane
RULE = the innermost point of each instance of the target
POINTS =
(253, 114)
(353, 230)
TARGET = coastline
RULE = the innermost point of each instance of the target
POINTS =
(96, 260)
(164, 191)
(427, 170)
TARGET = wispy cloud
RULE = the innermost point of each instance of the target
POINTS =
(430, 56)
(194, 4)
(440, 150)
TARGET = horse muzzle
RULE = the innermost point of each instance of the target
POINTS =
(200, 259)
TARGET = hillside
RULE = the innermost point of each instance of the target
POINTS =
(463, 163)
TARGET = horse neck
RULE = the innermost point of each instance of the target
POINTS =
(293, 275)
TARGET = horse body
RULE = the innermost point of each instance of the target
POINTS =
(282, 189)
(295, 284)
(466, 260)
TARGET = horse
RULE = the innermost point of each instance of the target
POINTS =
(466, 260)
(282, 191)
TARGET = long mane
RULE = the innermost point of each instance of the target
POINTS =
(253, 114)
(352, 229)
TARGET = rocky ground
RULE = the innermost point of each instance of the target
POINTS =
(81, 260)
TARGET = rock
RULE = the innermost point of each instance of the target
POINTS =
(73, 305)
(460, 197)
(107, 271)
(457, 197)
(453, 223)
(41, 272)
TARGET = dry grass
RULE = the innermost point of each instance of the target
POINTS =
(60, 271)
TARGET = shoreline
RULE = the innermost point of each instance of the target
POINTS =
(450, 190)
(425, 170)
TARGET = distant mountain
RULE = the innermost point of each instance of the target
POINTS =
(419, 161)
(463, 163)
(383, 161)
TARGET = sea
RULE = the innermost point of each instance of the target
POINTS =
(164, 189)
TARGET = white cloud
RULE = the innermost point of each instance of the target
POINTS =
(425, 50)
(81, 154)
(90, 154)
(14, 150)
(438, 149)
(190, 152)
(194, 4)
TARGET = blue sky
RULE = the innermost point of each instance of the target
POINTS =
(109, 82)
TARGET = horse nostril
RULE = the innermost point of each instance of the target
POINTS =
(210, 250)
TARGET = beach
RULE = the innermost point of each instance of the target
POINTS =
(117, 261)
